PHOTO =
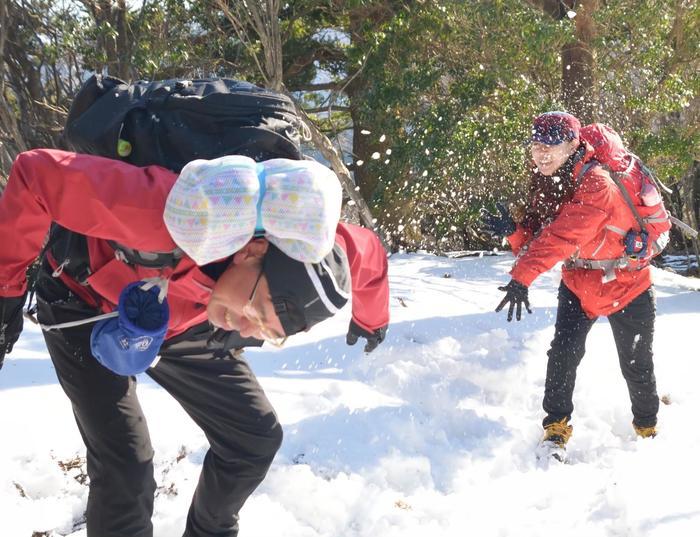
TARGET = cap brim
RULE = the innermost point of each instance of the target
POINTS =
(545, 140)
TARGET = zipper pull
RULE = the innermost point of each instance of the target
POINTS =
(120, 256)
(59, 269)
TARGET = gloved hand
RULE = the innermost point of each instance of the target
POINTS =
(11, 323)
(495, 225)
(516, 295)
(355, 331)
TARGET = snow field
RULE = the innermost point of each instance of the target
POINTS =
(431, 434)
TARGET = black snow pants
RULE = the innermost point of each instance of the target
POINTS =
(221, 395)
(633, 330)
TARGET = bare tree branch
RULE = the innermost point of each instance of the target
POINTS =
(319, 87)
(327, 149)
(340, 129)
(329, 108)
(262, 17)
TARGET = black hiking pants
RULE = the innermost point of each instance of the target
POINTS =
(633, 330)
(221, 395)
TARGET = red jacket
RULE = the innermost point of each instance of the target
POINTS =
(580, 228)
(106, 199)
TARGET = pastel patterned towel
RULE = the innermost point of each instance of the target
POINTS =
(216, 205)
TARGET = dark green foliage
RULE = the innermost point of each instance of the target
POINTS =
(438, 94)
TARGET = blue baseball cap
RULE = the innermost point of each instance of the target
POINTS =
(129, 344)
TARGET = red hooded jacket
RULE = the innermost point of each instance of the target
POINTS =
(581, 229)
(106, 199)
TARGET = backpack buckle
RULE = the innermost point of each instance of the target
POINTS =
(182, 84)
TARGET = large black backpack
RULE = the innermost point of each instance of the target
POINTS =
(172, 122)
(169, 123)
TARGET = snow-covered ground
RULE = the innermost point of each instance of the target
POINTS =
(433, 434)
(682, 264)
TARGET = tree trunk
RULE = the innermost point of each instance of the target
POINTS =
(689, 194)
(362, 148)
(116, 47)
(577, 63)
(123, 43)
(577, 84)
(264, 19)
(9, 128)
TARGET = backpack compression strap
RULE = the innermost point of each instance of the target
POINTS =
(615, 176)
(156, 260)
(655, 180)
(625, 194)
(608, 266)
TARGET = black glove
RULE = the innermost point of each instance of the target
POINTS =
(355, 331)
(516, 295)
(11, 323)
(497, 226)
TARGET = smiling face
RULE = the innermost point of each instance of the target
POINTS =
(227, 305)
(549, 158)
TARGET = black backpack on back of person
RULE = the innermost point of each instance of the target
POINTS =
(172, 122)
(169, 123)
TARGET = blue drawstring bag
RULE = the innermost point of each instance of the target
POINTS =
(129, 343)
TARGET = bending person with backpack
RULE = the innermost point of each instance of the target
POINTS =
(585, 213)
(229, 253)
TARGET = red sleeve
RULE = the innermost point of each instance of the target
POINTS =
(95, 196)
(579, 221)
(369, 273)
(518, 238)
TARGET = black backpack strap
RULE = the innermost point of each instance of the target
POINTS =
(33, 275)
(70, 250)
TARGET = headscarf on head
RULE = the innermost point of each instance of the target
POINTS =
(553, 128)
(216, 206)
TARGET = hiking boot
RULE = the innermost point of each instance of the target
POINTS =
(645, 432)
(558, 433)
(553, 443)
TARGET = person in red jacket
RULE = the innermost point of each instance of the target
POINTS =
(575, 211)
(120, 220)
